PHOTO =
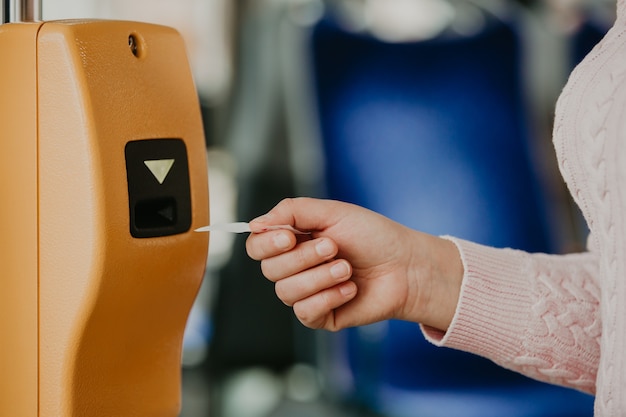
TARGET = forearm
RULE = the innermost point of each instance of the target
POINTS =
(535, 314)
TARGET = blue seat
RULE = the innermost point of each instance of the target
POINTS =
(434, 134)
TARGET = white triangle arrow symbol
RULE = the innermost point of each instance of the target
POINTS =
(159, 168)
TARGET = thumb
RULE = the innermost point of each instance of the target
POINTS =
(303, 213)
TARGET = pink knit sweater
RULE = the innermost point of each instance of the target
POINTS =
(562, 318)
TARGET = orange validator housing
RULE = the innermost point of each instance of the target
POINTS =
(103, 178)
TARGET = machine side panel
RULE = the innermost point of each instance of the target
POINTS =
(113, 306)
(18, 220)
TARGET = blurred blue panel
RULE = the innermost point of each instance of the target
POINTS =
(431, 134)
(434, 135)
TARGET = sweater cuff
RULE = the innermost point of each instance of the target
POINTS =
(493, 301)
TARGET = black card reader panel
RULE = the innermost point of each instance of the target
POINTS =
(159, 193)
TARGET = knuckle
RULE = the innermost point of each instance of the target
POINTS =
(330, 325)
(301, 257)
(283, 293)
(285, 203)
(325, 300)
(304, 315)
(268, 271)
(251, 249)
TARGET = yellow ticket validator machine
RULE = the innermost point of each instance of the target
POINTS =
(102, 179)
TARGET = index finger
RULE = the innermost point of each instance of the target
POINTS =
(303, 213)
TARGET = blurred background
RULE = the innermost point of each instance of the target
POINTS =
(436, 113)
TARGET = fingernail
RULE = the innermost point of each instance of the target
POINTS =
(347, 289)
(324, 248)
(282, 241)
(339, 270)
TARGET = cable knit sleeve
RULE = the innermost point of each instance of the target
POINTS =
(536, 314)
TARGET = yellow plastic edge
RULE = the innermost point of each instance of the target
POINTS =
(18, 221)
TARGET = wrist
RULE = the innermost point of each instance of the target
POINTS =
(435, 277)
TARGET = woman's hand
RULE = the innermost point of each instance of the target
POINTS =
(356, 267)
